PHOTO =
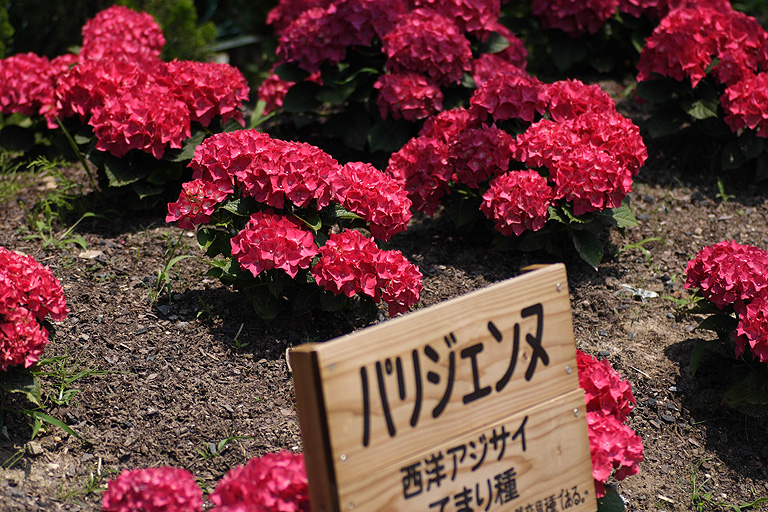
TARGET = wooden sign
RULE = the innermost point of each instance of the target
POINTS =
(470, 405)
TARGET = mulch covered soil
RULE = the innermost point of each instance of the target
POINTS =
(179, 374)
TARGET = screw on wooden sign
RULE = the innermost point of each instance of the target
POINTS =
(467, 406)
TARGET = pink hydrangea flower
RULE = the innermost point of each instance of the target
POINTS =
(567, 99)
(574, 17)
(26, 84)
(727, 272)
(606, 391)
(613, 446)
(427, 43)
(197, 202)
(447, 124)
(489, 65)
(509, 96)
(350, 263)
(283, 14)
(313, 38)
(164, 489)
(408, 96)
(376, 197)
(119, 29)
(273, 241)
(276, 482)
(518, 201)
(752, 330)
(473, 16)
(209, 89)
(421, 166)
(744, 104)
(478, 154)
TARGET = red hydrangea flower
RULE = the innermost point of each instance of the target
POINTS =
(606, 391)
(509, 96)
(26, 84)
(28, 293)
(477, 154)
(421, 166)
(408, 96)
(119, 29)
(425, 42)
(376, 197)
(473, 16)
(517, 201)
(197, 202)
(163, 489)
(574, 17)
(613, 446)
(273, 241)
(209, 89)
(313, 38)
(752, 330)
(592, 158)
(570, 98)
(346, 265)
(367, 19)
(744, 104)
(447, 124)
(727, 272)
(276, 482)
(350, 263)
(489, 65)
(398, 280)
(283, 14)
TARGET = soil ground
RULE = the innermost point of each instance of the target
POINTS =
(181, 373)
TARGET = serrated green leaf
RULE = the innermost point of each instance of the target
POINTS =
(657, 91)
(264, 304)
(750, 144)
(121, 173)
(291, 72)
(665, 122)
(335, 212)
(242, 207)
(750, 393)
(495, 43)
(622, 216)
(276, 280)
(700, 349)
(589, 247)
(701, 109)
(611, 502)
(302, 97)
(336, 95)
(723, 325)
(144, 190)
(332, 302)
(188, 147)
(20, 380)
(389, 135)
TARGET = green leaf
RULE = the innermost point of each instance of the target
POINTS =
(389, 135)
(611, 502)
(164, 173)
(334, 212)
(242, 207)
(658, 91)
(21, 380)
(567, 52)
(276, 280)
(750, 144)
(621, 217)
(187, 150)
(310, 219)
(750, 393)
(731, 157)
(302, 97)
(700, 349)
(665, 122)
(144, 189)
(495, 43)
(589, 247)
(722, 324)
(42, 417)
(265, 304)
(291, 72)
(702, 109)
(16, 138)
(331, 302)
(336, 95)
(121, 173)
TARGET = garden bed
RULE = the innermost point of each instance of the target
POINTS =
(196, 380)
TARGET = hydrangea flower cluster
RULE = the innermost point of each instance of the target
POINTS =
(164, 489)
(276, 482)
(294, 180)
(121, 87)
(589, 153)
(609, 401)
(728, 274)
(426, 44)
(28, 293)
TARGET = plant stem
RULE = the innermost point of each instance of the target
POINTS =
(77, 152)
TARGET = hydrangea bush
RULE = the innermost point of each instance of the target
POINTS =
(372, 71)
(29, 292)
(704, 67)
(133, 115)
(286, 222)
(529, 156)
(730, 283)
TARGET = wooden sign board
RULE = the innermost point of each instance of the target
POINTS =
(471, 404)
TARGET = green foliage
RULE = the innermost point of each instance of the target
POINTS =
(59, 374)
(611, 502)
(50, 28)
(6, 32)
(185, 38)
(701, 494)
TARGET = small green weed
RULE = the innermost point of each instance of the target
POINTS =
(641, 247)
(701, 496)
(211, 450)
(721, 194)
(63, 372)
(164, 274)
(91, 483)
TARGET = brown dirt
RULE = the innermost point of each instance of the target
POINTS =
(188, 371)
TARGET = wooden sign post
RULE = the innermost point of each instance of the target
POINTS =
(471, 405)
